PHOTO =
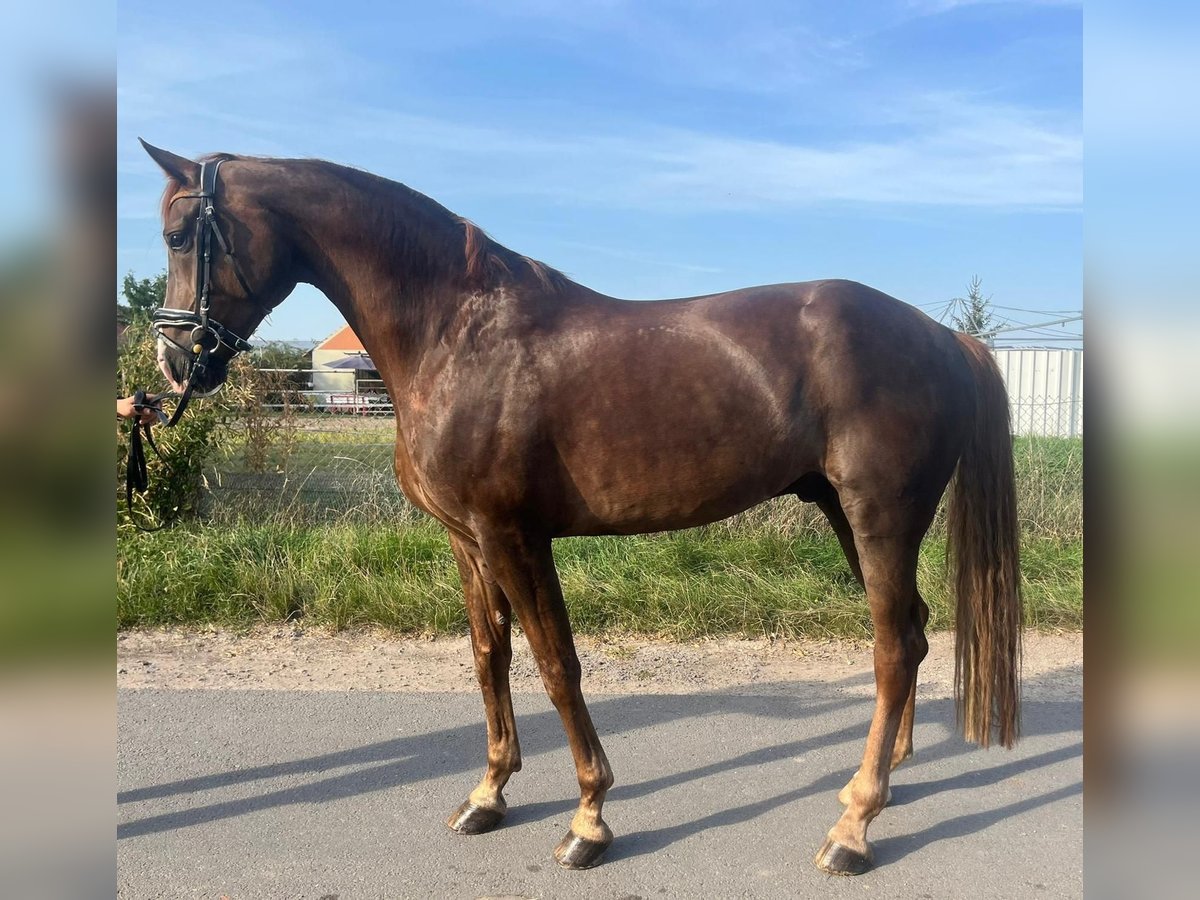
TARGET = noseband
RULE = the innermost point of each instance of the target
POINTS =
(203, 325)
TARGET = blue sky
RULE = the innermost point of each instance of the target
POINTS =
(653, 149)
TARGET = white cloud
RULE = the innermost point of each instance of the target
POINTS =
(918, 150)
(940, 151)
(925, 7)
(943, 151)
(763, 48)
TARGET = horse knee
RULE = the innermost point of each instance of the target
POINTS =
(561, 676)
(491, 666)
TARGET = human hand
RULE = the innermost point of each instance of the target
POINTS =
(127, 409)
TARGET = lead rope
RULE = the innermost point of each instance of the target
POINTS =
(137, 478)
(136, 475)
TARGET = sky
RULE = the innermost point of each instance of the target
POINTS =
(654, 149)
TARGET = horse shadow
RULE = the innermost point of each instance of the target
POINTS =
(1040, 718)
(411, 759)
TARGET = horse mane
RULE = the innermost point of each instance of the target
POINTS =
(486, 258)
(478, 258)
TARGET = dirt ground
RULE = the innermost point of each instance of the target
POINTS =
(288, 658)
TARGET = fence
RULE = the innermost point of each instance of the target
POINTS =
(331, 452)
(1045, 390)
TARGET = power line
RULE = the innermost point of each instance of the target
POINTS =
(1027, 327)
(1017, 342)
(1037, 311)
(1053, 332)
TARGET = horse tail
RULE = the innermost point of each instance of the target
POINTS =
(985, 562)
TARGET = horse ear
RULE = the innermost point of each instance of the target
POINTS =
(179, 168)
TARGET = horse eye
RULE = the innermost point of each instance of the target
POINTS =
(176, 239)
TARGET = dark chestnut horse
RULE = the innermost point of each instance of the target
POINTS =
(529, 407)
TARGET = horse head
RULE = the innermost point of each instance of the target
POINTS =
(226, 266)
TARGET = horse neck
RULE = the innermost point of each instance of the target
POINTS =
(390, 263)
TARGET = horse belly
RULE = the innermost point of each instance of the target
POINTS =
(696, 458)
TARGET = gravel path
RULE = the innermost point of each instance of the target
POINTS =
(293, 659)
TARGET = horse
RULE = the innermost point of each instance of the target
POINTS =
(529, 407)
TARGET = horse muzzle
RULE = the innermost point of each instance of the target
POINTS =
(179, 364)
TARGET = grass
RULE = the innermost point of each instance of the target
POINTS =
(775, 570)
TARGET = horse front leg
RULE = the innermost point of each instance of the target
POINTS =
(524, 566)
(491, 643)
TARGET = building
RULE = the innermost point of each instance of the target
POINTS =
(339, 345)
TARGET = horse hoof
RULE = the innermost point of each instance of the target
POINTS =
(838, 860)
(472, 819)
(574, 852)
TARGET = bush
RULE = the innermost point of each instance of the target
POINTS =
(266, 403)
(177, 485)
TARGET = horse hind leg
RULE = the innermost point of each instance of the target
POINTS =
(889, 572)
(491, 645)
(524, 566)
(904, 740)
(827, 500)
(903, 749)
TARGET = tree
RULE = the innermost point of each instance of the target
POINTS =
(281, 388)
(973, 314)
(278, 355)
(144, 296)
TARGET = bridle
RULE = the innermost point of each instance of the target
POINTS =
(207, 333)
(203, 325)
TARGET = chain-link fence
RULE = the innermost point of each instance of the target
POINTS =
(327, 463)
(1045, 390)
(324, 451)
(1047, 417)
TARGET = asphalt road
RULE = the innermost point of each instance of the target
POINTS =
(343, 795)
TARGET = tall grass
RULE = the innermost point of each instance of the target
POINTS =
(774, 570)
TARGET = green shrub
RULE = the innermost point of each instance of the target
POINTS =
(177, 482)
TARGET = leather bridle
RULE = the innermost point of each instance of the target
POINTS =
(207, 333)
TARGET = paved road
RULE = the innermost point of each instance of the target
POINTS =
(322, 795)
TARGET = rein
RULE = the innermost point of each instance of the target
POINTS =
(207, 334)
(136, 476)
